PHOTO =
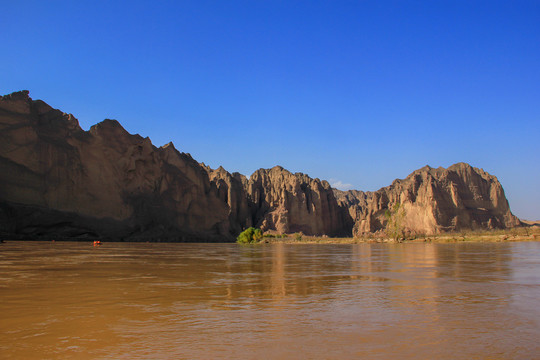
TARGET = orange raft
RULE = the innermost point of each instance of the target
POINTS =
(97, 243)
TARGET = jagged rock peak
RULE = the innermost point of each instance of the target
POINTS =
(169, 145)
(17, 96)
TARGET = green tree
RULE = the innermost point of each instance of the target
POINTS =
(394, 222)
(250, 236)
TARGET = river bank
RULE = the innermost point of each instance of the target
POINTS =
(530, 233)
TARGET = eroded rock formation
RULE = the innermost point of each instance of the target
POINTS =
(289, 203)
(59, 181)
(354, 203)
(232, 191)
(435, 200)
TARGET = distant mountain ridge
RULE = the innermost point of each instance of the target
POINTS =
(59, 181)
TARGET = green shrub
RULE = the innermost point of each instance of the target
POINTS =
(249, 236)
(298, 236)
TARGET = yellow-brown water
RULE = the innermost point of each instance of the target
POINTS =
(207, 301)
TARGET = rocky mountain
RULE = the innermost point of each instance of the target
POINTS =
(59, 181)
(431, 201)
(279, 201)
(289, 203)
(232, 191)
(354, 203)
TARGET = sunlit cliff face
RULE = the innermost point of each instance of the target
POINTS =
(61, 181)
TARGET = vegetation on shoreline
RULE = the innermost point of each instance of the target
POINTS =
(523, 233)
(250, 236)
(256, 236)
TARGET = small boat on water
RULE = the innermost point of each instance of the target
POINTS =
(97, 243)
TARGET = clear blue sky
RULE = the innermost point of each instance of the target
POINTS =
(359, 92)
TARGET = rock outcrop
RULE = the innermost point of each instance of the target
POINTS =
(435, 200)
(232, 191)
(353, 203)
(57, 180)
(277, 200)
(289, 203)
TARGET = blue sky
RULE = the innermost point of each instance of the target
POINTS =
(359, 92)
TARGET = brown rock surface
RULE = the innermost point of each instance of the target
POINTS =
(437, 200)
(354, 203)
(57, 180)
(289, 203)
(231, 190)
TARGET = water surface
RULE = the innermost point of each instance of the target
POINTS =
(69, 300)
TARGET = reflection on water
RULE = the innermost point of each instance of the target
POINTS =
(201, 301)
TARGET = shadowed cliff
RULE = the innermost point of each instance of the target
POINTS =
(58, 180)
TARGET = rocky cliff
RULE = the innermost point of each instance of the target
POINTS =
(289, 203)
(353, 203)
(232, 191)
(57, 180)
(279, 201)
(431, 201)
